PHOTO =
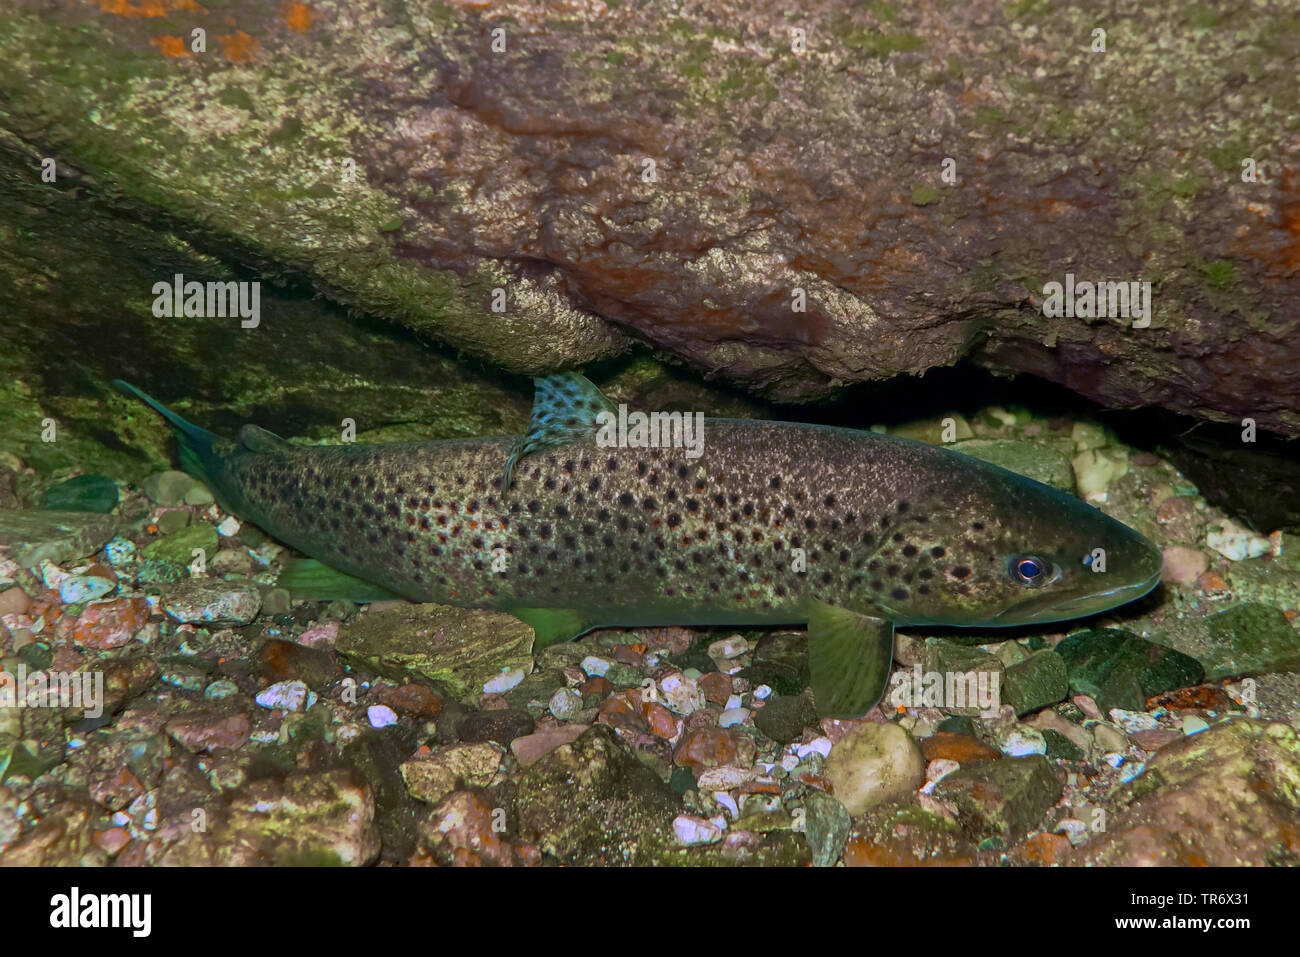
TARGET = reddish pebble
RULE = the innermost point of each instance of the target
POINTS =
(598, 685)
(627, 655)
(707, 747)
(1201, 697)
(111, 624)
(659, 719)
(1044, 848)
(961, 748)
(618, 713)
(1145, 459)
(415, 700)
(13, 601)
(112, 840)
(1212, 583)
(1152, 739)
(716, 686)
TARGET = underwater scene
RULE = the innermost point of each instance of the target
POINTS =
(604, 433)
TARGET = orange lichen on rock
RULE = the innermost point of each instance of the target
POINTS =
(146, 8)
(297, 16)
(171, 46)
(238, 47)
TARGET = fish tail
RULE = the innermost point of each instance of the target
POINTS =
(197, 447)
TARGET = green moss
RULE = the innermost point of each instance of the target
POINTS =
(923, 194)
(1220, 274)
(616, 58)
(882, 44)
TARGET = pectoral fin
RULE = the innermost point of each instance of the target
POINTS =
(850, 657)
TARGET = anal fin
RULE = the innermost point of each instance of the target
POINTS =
(552, 625)
(850, 657)
(308, 579)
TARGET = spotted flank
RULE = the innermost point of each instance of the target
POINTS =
(771, 524)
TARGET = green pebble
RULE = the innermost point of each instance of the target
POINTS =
(1250, 639)
(178, 547)
(957, 724)
(173, 521)
(85, 493)
(1120, 670)
(1036, 682)
(1059, 746)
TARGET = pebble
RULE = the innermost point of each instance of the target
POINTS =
(504, 681)
(681, 693)
(957, 748)
(1109, 739)
(1184, 565)
(229, 526)
(595, 667)
(716, 686)
(725, 778)
(85, 493)
(286, 696)
(533, 747)
(13, 601)
(873, 764)
(221, 688)
(691, 830)
(1088, 706)
(710, 747)
(79, 589)
(727, 648)
(1236, 543)
(381, 716)
(168, 488)
(119, 551)
(208, 602)
(110, 624)
(501, 726)
(1132, 721)
(1194, 725)
(821, 746)
(940, 768)
(733, 716)
(1020, 740)
(762, 692)
(322, 636)
(565, 704)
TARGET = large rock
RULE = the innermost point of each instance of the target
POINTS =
(624, 167)
(1225, 797)
(309, 818)
(460, 646)
(36, 536)
(594, 802)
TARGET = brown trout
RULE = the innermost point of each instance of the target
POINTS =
(760, 523)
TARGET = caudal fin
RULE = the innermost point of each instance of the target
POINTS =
(198, 454)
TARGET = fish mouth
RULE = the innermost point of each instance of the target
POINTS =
(1078, 607)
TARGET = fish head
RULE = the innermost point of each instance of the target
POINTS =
(1022, 553)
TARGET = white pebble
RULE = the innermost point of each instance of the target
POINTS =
(732, 647)
(285, 696)
(504, 681)
(229, 526)
(1132, 721)
(1019, 741)
(728, 802)
(381, 716)
(732, 716)
(725, 778)
(734, 701)
(595, 667)
(1194, 725)
(939, 768)
(820, 746)
(689, 829)
(1236, 543)
(762, 692)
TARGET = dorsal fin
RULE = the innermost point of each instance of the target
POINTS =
(257, 439)
(565, 406)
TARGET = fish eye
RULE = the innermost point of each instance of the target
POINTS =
(1032, 570)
